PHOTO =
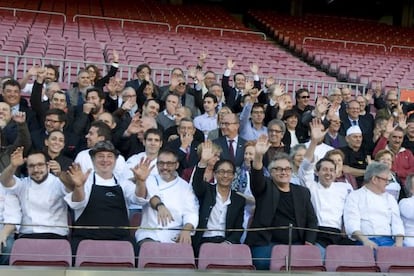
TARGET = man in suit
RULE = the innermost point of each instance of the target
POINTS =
(187, 153)
(234, 94)
(332, 137)
(278, 203)
(354, 119)
(231, 143)
(142, 70)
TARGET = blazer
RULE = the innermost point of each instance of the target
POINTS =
(225, 154)
(184, 163)
(267, 199)
(367, 127)
(206, 194)
(233, 99)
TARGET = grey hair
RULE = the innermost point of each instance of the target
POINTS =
(295, 149)
(279, 156)
(409, 185)
(374, 169)
(278, 122)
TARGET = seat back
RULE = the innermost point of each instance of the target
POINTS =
(41, 252)
(134, 221)
(351, 258)
(303, 258)
(395, 259)
(225, 256)
(166, 255)
(105, 253)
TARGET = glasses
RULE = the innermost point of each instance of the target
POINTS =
(166, 163)
(305, 97)
(382, 178)
(52, 121)
(274, 131)
(224, 172)
(257, 112)
(182, 83)
(226, 124)
(37, 165)
(280, 169)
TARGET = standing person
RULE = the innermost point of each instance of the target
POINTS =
(370, 210)
(99, 198)
(302, 97)
(55, 143)
(407, 214)
(278, 204)
(220, 207)
(207, 121)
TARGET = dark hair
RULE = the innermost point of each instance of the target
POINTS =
(149, 100)
(319, 163)
(212, 96)
(154, 131)
(98, 90)
(53, 131)
(97, 71)
(224, 161)
(238, 74)
(289, 113)
(103, 129)
(258, 105)
(54, 68)
(36, 151)
(300, 91)
(142, 66)
(60, 113)
(12, 82)
(168, 151)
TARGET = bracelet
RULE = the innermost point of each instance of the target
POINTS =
(158, 205)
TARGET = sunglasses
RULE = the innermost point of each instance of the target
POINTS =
(305, 97)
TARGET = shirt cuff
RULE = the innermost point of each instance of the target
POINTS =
(227, 73)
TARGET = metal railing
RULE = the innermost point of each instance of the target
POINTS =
(345, 42)
(222, 30)
(15, 10)
(122, 20)
(400, 47)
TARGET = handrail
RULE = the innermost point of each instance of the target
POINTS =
(401, 47)
(343, 41)
(219, 29)
(34, 11)
(122, 20)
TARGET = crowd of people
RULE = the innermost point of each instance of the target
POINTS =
(197, 154)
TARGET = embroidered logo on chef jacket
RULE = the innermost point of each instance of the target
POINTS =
(109, 194)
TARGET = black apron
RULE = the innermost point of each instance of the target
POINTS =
(106, 207)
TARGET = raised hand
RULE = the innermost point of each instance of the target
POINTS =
(269, 82)
(174, 83)
(254, 68)
(135, 125)
(39, 72)
(207, 151)
(202, 57)
(77, 176)
(115, 56)
(192, 72)
(368, 95)
(33, 71)
(19, 117)
(16, 158)
(54, 167)
(142, 170)
(262, 145)
(186, 139)
(200, 76)
(317, 130)
(249, 85)
(230, 63)
(87, 107)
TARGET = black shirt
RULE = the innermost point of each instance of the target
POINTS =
(285, 215)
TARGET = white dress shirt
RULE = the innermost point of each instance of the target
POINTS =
(217, 219)
(178, 196)
(407, 216)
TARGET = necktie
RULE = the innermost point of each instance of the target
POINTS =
(187, 155)
(231, 149)
(354, 123)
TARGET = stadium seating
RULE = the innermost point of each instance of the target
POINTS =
(41, 252)
(166, 255)
(395, 259)
(350, 258)
(303, 258)
(225, 256)
(105, 253)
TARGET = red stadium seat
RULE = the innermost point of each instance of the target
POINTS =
(225, 256)
(166, 255)
(350, 258)
(41, 252)
(303, 258)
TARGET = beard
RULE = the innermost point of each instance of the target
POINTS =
(41, 180)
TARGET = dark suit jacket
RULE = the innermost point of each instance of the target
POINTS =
(174, 145)
(367, 127)
(225, 154)
(233, 99)
(267, 199)
(206, 194)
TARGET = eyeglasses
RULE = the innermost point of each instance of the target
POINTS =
(257, 112)
(226, 124)
(166, 163)
(274, 130)
(382, 178)
(305, 97)
(280, 169)
(52, 121)
(224, 172)
(182, 83)
(37, 165)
